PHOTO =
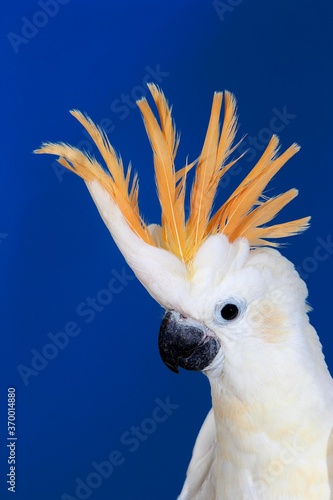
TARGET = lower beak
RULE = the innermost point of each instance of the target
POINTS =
(186, 343)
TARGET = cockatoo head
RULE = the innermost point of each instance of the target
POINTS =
(226, 295)
(238, 307)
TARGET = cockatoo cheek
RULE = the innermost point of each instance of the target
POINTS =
(215, 369)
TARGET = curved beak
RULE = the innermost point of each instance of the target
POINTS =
(186, 343)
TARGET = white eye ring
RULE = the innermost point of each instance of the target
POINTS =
(229, 310)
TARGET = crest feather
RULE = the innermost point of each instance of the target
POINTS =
(117, 183)
(245, 213)
(164, 145)
(211, 167)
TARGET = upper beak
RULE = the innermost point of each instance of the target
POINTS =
(185, 342)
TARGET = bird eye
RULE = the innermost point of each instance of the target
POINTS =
(229, 312)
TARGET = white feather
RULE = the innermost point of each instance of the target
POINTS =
(154, 267)
(270, 437)
(200, 478)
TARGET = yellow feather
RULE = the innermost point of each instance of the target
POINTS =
(284, 230)
(201, 195)
(211, 167)
(231, 214)
(245, 212)
(163, 144)
(167, 125)
(262, 214)
(117, 184)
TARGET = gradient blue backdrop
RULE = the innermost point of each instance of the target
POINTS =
(55, 251)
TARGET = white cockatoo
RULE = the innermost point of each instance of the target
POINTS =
(235, 308)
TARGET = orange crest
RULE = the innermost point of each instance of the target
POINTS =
(244, 214)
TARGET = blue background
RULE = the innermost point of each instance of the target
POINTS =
(55, 251)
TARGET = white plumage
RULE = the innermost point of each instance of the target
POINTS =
(269, 434)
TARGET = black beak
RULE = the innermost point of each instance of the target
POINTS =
(184, 342)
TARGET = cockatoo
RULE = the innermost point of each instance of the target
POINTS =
(235, 308)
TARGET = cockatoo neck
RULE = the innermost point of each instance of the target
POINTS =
(275, 415)
(270, 392)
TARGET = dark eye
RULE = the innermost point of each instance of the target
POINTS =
(229, 312)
